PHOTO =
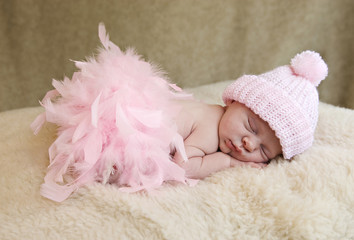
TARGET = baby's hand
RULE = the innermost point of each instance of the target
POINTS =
(234, 163)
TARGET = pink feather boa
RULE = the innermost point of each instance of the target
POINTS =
(115, 125)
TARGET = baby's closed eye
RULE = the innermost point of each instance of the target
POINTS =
(252, 125)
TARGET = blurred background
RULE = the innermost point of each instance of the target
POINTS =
(195, 41)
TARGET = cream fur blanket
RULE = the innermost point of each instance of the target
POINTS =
(311, 197)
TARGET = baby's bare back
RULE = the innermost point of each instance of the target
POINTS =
(198, 124)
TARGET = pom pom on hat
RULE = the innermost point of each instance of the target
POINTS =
(310, 65)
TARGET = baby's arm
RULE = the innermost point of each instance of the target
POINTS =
(200, 165)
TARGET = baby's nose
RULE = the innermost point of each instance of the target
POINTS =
(249, 144)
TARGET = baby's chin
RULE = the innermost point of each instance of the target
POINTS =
(224, 149)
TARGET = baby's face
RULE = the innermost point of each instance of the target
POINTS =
(246, 137)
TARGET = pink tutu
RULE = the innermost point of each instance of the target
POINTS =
(115, 121)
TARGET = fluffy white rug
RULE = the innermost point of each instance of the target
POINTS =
(311, 197)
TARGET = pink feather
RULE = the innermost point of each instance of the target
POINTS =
(115, 118)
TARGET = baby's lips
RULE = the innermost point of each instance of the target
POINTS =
(231, 146)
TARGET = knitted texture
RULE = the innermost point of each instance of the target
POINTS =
(286, 98)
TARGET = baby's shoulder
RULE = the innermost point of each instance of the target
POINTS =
(205, 122)
(197, 115)
(200, 109)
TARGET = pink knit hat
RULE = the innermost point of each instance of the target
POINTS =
(286, 98)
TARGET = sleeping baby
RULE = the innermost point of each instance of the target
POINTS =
(265, 116)
(121, 122)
